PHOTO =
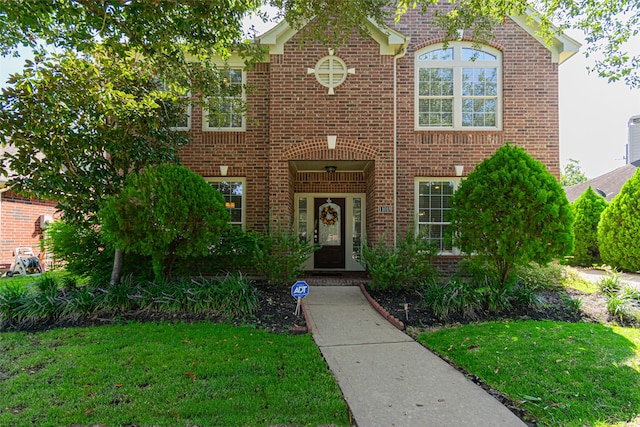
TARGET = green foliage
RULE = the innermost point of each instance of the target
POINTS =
(280, 254)
(78, 126)
(540, 277)
(619, 228)
(403, 267)
(623, 300)
(474, 290)
(587, 210)
(511, 211)
(572, 174)
(167, 212)
(80, 249)
(46, 300)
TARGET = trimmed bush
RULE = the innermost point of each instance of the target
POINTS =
(510, 211)
(167, 212)
(279, 255)
(403, 267)
(587, 210)
(619, 228)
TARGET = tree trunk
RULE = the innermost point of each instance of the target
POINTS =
(116, 272)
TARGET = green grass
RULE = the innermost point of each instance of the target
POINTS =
(561, 374)
(573, 279)
(165, 375)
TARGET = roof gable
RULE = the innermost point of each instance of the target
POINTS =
(391, 41)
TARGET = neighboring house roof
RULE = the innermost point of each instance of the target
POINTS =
(607, 185)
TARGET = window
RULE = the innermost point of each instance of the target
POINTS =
(458, 87)
(229, 111)
(233, 191)
(433, 205)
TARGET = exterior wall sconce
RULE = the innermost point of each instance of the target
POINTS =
(331, 142)
(224, 170)
(330, 169)
(459, 170)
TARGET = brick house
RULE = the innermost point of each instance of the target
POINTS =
(371, 140)
(21, 224)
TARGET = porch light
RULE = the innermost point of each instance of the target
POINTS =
(459, 169)
(331, 142)
(330, 169)
(223, 170)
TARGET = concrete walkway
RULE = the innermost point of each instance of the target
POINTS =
(387, 378)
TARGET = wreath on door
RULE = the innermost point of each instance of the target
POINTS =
(328, 216)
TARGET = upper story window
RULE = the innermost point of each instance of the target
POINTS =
(229, 109)
(458, 87)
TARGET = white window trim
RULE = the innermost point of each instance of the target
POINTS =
(457, 65)
(243, 213)
(243, 127)
(416, 192)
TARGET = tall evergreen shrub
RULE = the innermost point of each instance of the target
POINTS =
(587, 210)
(510, 211)
(167, 212)
(619, 228)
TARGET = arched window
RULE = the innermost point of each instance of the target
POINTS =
(458, 87)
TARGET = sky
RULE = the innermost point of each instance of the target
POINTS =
(594, 114)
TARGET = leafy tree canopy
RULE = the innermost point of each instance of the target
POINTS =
(170, 32)
(79, 126)
(572, 174)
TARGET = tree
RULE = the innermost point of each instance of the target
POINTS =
(619, 228)
(166, 212)
(170, 33)
(587, 210)
(510, 211)
(79, 125)
(572, 174)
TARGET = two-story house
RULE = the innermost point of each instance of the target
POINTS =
(370, 140)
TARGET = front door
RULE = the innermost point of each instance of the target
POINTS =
(329, 232)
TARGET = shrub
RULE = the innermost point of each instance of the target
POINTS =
(537, 277)
(280, 254)
(587, 210)
(167, 212)
(511, 211)
(403, 267)
(619, 228)
(80, 249)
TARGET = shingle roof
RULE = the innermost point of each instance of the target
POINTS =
(607, 185)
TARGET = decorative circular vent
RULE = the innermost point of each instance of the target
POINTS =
(331, 71)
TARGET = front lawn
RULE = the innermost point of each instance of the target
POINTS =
(165, 375)
(562, 374)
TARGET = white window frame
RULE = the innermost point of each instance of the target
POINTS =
(205, 112)
(457, 64)
(243, 181)
(418, 180)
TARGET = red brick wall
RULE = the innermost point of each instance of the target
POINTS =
(290, 114)
(20, 224)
